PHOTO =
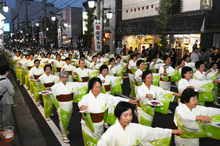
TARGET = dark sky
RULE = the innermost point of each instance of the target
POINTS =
(58, 3)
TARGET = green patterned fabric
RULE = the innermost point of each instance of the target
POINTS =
(176, 76)
(89, 141)
(161, 142)
(156, 80)
(65, 118)
(165, 99)
(116, 87)
(88, 120)
(207, 95)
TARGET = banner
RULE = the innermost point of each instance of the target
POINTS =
(59, 38)
(41, 38)
(98, 35)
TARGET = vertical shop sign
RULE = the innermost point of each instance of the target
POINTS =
(98, 35)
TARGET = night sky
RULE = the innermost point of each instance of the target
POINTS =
(58, 3)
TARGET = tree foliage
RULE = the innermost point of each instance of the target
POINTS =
(162, 22)
(87, 38)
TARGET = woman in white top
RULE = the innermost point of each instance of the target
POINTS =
(59, 64)
(147, 92)
(125, 133)
(139, 72)
(111, 67)
(96, 103)
(48, 80)
(82, 72)
(68, 68)
(188, 113)
(165, 73)
(63, 93)
(200, 68)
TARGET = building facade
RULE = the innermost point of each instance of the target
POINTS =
(191, 22)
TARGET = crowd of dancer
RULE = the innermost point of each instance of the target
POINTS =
(92, 79)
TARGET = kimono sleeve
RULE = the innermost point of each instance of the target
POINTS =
(31, 73)
(83, 101)
(152, 134)
(142, 94)
(106, 138)
(208, 111)
(114, 100)
(181, 86)
(53, 89)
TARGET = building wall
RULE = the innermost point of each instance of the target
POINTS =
(139, 8)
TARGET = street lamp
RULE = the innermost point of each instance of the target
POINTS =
(109, 14)
(65, 24)
(53, 18)
(91, 3)
(5, 8)
(37, 24)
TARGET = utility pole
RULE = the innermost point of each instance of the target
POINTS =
(45, 23)
(98, 9)
(27, 29)
(103, 26)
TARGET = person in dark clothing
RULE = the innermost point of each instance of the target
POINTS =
(130, 51)
(173, 56)
(215, 57)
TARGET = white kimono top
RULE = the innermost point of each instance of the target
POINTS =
(183, 83)
(210, 74)
(60, 88)
(82, 73)
(120, 64)
(68, 67)
(22, 60)
(94, 67)
(159, 60)
(100, 103)
(154, 90)
(187, 117)
(132, 65)
(137, 75)
(49, 60)
(28, 63)
(169, 70)
(48, 79)
(59, 64)
(107, 79)
(16, 58)
(89, 58)
(199, 76)
(43, 60)
(36, 71)
(134, 134)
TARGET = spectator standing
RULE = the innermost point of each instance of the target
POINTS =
(173, 56)
(215, 57)
(205, 57)
(130, 51)
(194, 56)
(119, 49)
(124, 50)
(136, 50)
(6, 95)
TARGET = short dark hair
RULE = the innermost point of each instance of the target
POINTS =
(133, 55)
(36, 60)
(212, 64)
(185, 56)
(4, 68)
(103, 67)
(110, 60)
(122, 107)
(145, 73)
(31, 54)
(198, 64)
(48, 65)
(41, 53)
(139, 62)
(118, 57)
(58, 55)
(49, 54)
(166, 57)
(94, 56)
(93, 81)
(179, 62)
(67, 59)
(81, 60)
(185, 70)
(187, 94)
(82, 56)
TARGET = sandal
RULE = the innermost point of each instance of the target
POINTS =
(66, 140)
